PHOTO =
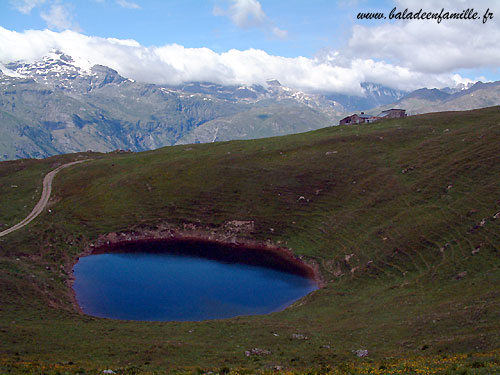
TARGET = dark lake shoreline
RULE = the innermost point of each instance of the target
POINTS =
(264, 256)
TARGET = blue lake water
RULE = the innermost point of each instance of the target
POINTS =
(173, 287)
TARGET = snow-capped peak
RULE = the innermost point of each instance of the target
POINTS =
(273, 82)
(53, 64)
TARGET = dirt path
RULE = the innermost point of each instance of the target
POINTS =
(44, 199)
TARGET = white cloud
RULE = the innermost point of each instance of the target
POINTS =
(282, 34)
(246, 13)
(428, 46)
(175, 64)
(127, 4)
(59, 18)
(26, 6)
(249, 13)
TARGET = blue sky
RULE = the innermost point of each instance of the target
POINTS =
(401, 54)
(310, 25)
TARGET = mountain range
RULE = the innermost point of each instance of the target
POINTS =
(55, 106)
(474, 96)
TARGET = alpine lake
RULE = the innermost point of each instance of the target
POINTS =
(186, 281)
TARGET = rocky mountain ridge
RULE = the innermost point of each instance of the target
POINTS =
(466, 97)
(374, 95)
(57, 106)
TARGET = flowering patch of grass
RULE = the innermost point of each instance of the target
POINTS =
(457, 364)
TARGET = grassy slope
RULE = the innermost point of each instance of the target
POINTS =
(411, 234)
(259, 122)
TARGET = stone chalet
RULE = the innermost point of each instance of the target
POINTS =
(363, 118)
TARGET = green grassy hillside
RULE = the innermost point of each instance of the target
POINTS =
(401, 216)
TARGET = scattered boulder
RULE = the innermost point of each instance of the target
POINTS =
(361, 353)
(348, 257)
(461, 275)
(239, 226)
(256, 351)
(338, 272)
(299, 336)
(476, 249)
(330, 152)
(496, 216)
(108, 372)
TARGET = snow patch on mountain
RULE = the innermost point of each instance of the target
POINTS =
(11, 73)
(55, 66)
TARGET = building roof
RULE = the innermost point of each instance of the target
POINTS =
(394, 109)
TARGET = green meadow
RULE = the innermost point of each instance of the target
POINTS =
(401, 217)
